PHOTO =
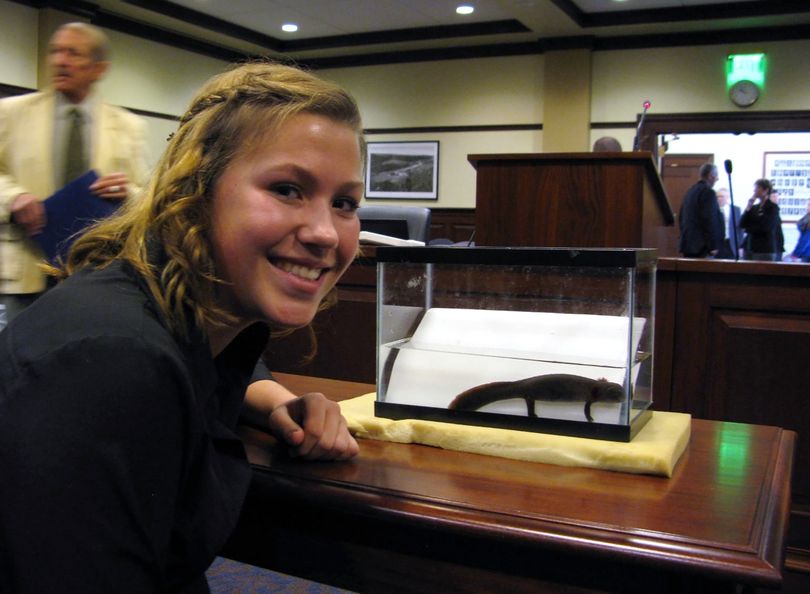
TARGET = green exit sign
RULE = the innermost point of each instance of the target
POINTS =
(746, 67)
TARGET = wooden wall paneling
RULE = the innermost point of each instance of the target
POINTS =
(455, 224)
(739, 324)
(345, 341)
(345, 334)
(741, 346)
(760, 374)
(750, 350)
(665, 301)
(689, 346)
(679, 172)
(797, 560)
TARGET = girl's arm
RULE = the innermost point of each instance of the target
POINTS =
(310, 424)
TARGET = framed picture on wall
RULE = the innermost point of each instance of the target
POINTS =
(403, 170)
(790, 175)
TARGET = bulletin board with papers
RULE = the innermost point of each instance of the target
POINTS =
(789, 173)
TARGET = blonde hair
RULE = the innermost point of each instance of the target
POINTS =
(165, 233)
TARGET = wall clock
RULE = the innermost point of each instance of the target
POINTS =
(744, 93)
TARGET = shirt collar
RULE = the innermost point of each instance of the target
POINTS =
(86, 107)
(231, 370)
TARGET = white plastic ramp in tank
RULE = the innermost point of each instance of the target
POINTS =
(453, 350)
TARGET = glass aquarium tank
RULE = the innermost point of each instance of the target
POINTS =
(552, 340)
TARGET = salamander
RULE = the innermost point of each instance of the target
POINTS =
(551, 387)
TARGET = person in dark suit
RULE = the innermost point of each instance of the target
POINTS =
(732, 241)
(700, 219)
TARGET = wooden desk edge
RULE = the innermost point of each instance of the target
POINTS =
(778, 507)
(749, 566)
(760, 565)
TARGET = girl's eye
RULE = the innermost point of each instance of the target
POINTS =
(346, 204)
(287, 191)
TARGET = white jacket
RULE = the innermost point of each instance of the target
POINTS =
(26, 166)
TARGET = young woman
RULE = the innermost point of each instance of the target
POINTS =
(762, 223)
(120, 388)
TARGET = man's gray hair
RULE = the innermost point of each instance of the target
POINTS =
(707, 169)
(99, 42)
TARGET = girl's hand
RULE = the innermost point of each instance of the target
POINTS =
(313, 428)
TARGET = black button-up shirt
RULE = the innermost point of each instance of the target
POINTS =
(119, 467)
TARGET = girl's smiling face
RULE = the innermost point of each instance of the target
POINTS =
(284, 221)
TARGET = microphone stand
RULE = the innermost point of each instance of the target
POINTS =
(637, 139)
(733, 242)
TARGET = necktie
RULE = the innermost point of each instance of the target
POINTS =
(75, 163)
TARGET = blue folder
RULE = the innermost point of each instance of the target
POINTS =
(68, 212)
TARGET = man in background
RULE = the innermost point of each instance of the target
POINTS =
(700, 219)
(607, 144)
(733, 237)
(49, 138)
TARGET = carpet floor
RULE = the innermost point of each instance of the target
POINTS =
(226, 576)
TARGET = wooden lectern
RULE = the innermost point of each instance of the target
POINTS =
(569, 200)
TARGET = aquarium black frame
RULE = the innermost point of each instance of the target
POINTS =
(526, 256)
(590, 430)
(534, 256)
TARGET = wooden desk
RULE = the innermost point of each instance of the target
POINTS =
(408, 518)
(731, 344)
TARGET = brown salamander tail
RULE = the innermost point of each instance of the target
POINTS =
(479, 396)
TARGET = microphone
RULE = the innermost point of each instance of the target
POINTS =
(733, 239)
(636, 141)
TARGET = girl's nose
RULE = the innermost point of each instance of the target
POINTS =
(318, 226)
